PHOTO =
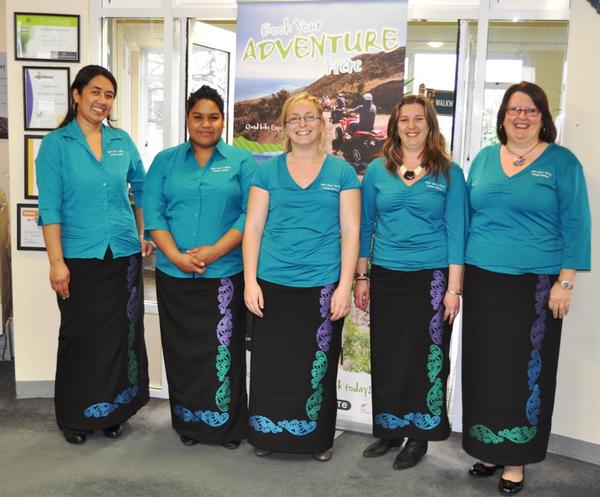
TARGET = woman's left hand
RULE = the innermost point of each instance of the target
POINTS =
(205, 253)
(340, 303)
(559, 301)
(451, 307)
(147, 247)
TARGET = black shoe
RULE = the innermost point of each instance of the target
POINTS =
(262, 452)
(323, 456)
(113, 431)
(232, 444)
(508, 487)
(479, 469)
(380, 447)
(411, 454)
(74, 437)
(190, 442)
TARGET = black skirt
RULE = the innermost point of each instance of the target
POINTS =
(202, 325)
(409, 354)
(510, 357)
(102, 368)
(295, 351)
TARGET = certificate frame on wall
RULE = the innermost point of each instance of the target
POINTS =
(31, 147)
(45, 97)
(29, 234)
(47, 37)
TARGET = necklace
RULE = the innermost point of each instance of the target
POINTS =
(520, 160)
(410, 175)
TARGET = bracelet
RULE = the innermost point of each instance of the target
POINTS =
(452, 292)
(361, 276)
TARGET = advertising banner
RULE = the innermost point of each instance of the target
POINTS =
(350, 55)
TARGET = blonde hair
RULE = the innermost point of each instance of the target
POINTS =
(298, 97)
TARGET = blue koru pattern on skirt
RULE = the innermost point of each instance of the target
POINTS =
(103, 409)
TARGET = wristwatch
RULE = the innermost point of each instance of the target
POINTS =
(566, 284)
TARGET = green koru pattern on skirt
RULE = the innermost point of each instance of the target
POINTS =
(518, 434)
(313, 404)
(223, 395)
(223, 362)
(132, 366)
(435, 360)
(435, 397)
(319, 368)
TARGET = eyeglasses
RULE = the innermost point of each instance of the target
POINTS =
(529, 111)
(296, 120)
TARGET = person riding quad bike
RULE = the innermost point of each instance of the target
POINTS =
(366, 113)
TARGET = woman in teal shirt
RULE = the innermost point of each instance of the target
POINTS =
(529, 233)
(413, 230)
(195, 208)
(298, 282)
(94, 249)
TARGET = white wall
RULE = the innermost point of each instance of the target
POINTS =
(577, 408)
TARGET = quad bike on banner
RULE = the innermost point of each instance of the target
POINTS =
(358, 147)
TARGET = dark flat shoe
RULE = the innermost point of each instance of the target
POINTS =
(113, 431)
(323, 456)
(232, 444)
(74, 437)
(508, 487)
(190, 442)
(411, 454)
(380, 447)
(262, 452)
(479, 469)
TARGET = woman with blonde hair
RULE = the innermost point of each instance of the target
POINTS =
(414, 223)
(298, 280)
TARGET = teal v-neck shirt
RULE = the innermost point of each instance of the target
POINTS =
(537, 221)
(198, 205)
(301, 240)
(87, 197)
(409, 228)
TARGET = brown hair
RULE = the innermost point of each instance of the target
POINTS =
(434, 155)
(540, 100)
(287, 146)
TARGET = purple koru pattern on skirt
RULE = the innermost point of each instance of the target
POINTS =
(542, 293)
(325, 300)
(225, 294)
(224, 328)
(132, 272)
(324, 331)
(438, 288)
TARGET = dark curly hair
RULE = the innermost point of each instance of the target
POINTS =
(205, 92)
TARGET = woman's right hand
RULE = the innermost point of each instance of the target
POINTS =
(253, 297)
(59, 279)
(189, 263)
(361, 294)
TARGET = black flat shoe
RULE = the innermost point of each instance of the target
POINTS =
(113, 431)
(323, 456)
(380, 447)
(190, 442)
(232, 444)
(262, 452)
(74, 437)
(411, 454)
(479, 469)
(508, 487)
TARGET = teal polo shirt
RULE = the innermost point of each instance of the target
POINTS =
(198, 205)
(409, 228)
(87, 197)
(537, 221)
(301, 240)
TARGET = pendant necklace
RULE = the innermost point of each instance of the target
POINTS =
(520, 160)
(410, 175)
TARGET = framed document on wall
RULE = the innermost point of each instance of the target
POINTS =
(32, 145)
(29, 234)
(45, 97)
(49, 37)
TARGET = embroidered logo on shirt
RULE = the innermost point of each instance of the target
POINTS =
(330, 187)
(221, 169)
(541, 174)
(436, 186)
(116, 153)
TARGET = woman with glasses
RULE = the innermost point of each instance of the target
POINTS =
(195, 209)
(529, 234)
(300, 247)
(414, 225)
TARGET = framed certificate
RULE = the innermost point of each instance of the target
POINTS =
(45, 97)
(32, 145)
(50, 37)
(29, 234)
